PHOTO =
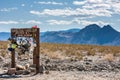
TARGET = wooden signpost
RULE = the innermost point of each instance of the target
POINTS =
(27, 32)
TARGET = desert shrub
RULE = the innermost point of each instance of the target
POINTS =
(78, 50)
(109, 57)
(91, 52)
(70, 50)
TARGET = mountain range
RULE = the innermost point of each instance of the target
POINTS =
(91, 34)
(4, 36)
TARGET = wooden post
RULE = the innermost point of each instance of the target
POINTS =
(12, 55)
(36, 50)
(34, 56)
(13, 59)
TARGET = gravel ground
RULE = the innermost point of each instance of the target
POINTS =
(70, 75)
(90, 68)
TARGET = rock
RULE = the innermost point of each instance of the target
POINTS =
(5, 68)
(32, 69)
(33, 66)
(6, 64)
(41, 69)
(47, 61)
(80, 68)
(20, 67)
(2, 59)
(47, 72)
(87, 67)
(19, 72)
(5, 71)
(87, 63)
(26, 72)
(11, 71)
(27, 66)
(96, 68)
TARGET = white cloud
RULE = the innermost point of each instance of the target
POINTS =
(79, 2)
(94, 1)
(51, 3)
(84, 2)
(109, 5)
(116, 7)
(61, 22)
(8, 9)
(97, 6)
(35, 12)
(101, 23)
(32, 22)
(94, 8)
(77, 21)
(20, 22)
(73, 12)
(54, 12)
(9, 22)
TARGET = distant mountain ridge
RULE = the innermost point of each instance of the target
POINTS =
(91, 34)
(4, 36)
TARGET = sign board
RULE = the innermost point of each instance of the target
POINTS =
(27, 32)
(23, 32)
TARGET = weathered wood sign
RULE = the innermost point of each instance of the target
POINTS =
(27, 32)
(23, 32)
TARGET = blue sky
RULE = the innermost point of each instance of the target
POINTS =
(52, 15)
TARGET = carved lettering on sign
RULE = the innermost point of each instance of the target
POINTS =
(27, 32)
